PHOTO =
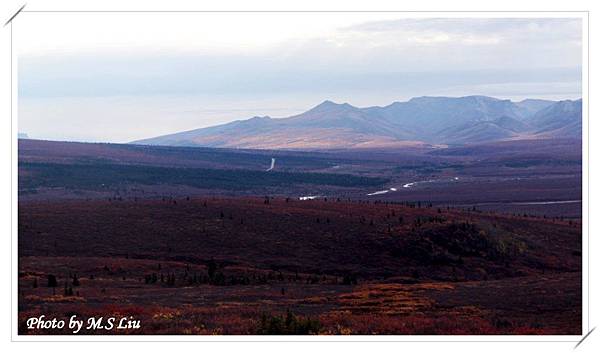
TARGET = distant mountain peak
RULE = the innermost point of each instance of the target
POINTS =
(327, 102)
(330, 105)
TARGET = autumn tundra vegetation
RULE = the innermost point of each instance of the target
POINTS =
(175, 243)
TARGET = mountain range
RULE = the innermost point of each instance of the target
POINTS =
(418, 121)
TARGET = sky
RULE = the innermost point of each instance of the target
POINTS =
(119, 77)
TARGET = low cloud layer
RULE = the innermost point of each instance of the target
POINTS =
(362, 61)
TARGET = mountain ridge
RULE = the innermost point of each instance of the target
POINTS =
(418, 121)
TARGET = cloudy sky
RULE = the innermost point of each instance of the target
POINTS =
(125, 76)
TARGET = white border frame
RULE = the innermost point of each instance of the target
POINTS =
(583, 15)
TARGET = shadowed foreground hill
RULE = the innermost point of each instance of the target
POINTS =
(282, 266)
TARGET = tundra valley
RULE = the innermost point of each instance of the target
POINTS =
(431, 216)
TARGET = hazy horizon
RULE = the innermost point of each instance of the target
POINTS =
(273, 116)
(144, 77)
